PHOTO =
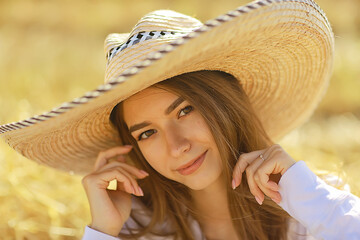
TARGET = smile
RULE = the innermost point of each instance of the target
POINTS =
(192, 166)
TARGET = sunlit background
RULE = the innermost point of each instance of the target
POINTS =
(52, 51)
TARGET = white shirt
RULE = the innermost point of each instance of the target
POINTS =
(319, 210)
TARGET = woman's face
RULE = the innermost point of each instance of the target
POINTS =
(173, 137)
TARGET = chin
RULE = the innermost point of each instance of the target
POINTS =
(202, 182)
(197, 187)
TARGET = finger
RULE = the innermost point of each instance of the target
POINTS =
(102, 179)
(121, 158)
(272, 185)
(261, 177)
(267, 182)
(131, 169)
(127, 180)
(269, 188)
(247, 159)
(273, 194)
(272, 166)
(104, 156)
(253, 186)
(136, 189)
(244, 161)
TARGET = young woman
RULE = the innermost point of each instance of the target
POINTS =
(208, 163)
(187, 134)
(186, 124)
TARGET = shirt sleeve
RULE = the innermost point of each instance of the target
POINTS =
(326, 212)
(92, 234)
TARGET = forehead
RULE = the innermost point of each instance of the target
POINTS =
(146, 104)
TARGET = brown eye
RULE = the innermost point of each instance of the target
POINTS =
(186, 110)
(146, 134)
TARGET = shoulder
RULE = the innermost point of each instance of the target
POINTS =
(141, 216)
(296, 231)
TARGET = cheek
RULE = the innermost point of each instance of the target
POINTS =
(154, 158)
(203, 130)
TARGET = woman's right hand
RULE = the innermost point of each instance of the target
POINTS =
(111, 208)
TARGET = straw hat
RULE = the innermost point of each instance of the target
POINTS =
(281, 51)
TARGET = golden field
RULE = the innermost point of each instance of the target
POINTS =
(52, 52)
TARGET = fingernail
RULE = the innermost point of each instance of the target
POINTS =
(258, 200)
(128, 146)
(233, 184)
(276, 200)
(144, 173)
(140, 191)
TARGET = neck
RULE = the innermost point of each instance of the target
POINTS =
(212, 207)
(211, 202)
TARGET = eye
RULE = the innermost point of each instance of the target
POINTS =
(146, 134)
(186, 110)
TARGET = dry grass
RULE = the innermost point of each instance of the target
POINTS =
(51, 51)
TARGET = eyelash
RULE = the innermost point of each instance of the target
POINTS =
(152, 131)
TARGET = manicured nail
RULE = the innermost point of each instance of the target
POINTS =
(140, 191)
(258, 200)
(144, 173)
(276, 200)
(233, 184)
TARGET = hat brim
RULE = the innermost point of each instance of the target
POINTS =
(281, 52)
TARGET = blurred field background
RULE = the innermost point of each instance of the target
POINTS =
(52, 51)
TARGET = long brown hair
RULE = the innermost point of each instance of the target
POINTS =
(222, 102)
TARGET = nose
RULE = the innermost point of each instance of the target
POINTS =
(177, 142)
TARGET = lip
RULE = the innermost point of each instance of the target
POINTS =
(192, 166)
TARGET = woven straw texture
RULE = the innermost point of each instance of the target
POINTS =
(281, 51)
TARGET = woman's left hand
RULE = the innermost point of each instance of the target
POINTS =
(259, 165)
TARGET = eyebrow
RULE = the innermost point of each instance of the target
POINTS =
(168, 110)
